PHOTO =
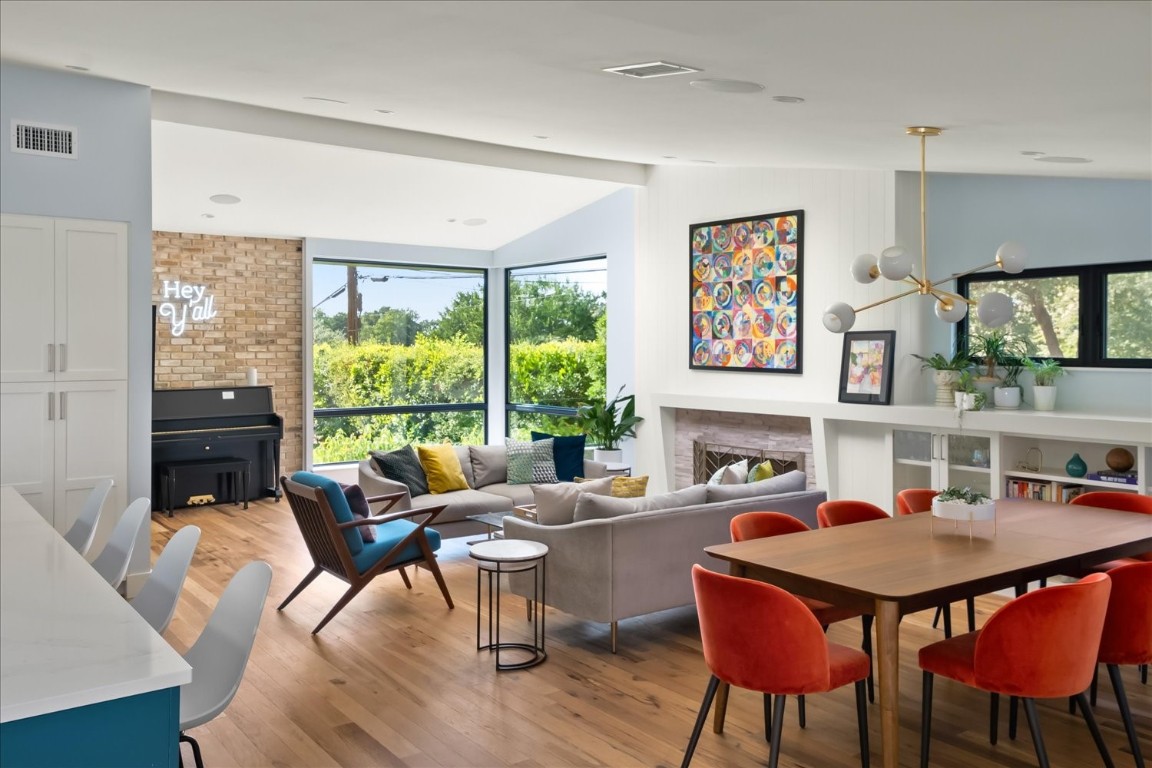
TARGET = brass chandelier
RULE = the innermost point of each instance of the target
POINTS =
(895, 263)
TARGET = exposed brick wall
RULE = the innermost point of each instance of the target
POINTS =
(753, 430)
(258, 294)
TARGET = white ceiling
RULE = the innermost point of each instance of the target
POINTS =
(1061, 78)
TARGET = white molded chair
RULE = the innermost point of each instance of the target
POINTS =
(84, 529)
(156, 601)
(112, 562)
(219, 655)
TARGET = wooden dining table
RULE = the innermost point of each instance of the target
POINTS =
(904, 564)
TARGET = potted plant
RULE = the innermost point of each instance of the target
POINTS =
(946, 372)
(1045, 373)
(608, 423)
(1007, 395)
(954, 503)
(968, 397)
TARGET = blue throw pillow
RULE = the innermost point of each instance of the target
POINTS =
(568, 453)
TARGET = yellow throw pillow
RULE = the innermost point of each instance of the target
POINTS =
(629, 487)
(442, 466)
(761, 471)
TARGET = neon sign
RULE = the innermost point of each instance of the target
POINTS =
(184, 302)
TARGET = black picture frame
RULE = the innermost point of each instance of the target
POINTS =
(746, 293)
(866, 367)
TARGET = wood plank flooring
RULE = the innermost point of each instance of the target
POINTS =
(395, 680)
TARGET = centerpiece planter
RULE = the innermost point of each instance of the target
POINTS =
(963, 505)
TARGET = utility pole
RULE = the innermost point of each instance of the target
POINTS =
(353, 307)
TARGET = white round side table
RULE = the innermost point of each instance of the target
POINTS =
(499, 556)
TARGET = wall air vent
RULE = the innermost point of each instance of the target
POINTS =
(40, 139)
(651, 69)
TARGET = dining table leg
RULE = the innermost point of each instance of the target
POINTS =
(888, 662)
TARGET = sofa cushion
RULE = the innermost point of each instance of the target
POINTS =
(786, 483)
(530, 462)
(358, 505)
(464, 456)
(403, 466)
(556, 502)
(460, 504)
(389, 535)
(515, 495)
(442, 468)
(489, 464)
(567, 452)
(629, 487)
(599, 507)
(339, 505)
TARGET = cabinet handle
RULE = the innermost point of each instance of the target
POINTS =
(51, 358)
(51, 407)
(63, 405)
(63, 358)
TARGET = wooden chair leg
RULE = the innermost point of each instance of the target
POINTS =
(777, 727)
(862, 723)
(430, 561)
(705, 705)
(1094, 729)
(925, 719)
(404, 576)
(1034, 727)
(1125, 713)
(343, 601)
(316, 571)
(721, 709)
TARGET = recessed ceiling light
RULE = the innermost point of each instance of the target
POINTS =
(224, 199)
(322, 98)
(474, 222)
(727, 86)
(1030, 153)
(207, 215)
(1059, 159)
(385, 111)
(788, 99)
(651, 69)
(76, 67)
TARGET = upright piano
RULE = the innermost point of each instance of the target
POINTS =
(210, 422)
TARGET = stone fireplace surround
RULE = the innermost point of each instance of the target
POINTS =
(752, 430)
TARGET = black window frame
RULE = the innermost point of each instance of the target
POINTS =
(1092, 282)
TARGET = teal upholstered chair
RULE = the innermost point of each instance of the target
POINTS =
(333, 536)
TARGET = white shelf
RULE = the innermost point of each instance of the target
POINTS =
(913, 462)
(1053, 475)
(969, 468)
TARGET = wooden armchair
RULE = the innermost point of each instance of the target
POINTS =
(334, 541)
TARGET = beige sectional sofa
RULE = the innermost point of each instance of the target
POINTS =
(614, 568)
(486, 470)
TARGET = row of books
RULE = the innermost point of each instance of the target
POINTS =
(1025, 489)
(1111, 476)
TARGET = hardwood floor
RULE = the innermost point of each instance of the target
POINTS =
(395, 680)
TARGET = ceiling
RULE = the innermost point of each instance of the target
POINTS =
(1065, 79)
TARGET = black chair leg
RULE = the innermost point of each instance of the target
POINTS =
(777, 727)
(925, 719)
(862, 723)
(971, 605)
(1144, 674)
(768, 717)
(866, 645)
(1125, 713)
(709, 693)
(1095, 679)
(994, 719)
(947, 621)
(1034, 727)
(801, 711)
(1012, 702)
(936, 616)
(1094, 729)
(195, 750)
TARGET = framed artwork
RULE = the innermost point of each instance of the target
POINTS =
(746, 293)
(866, 369)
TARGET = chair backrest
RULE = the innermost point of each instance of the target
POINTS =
(156, 600)
(757, 636)
(760, 525)
(846, 512)
(81, 533)
(1118, 500)
(112, 562)
(1044, 644)
(220, 654)
(912, 500)
(1127, 636)
(327, 544)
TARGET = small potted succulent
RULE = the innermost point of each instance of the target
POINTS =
(1007, 394)
(1045, 373)
(955, 503)
(945, 373)
(968, 397)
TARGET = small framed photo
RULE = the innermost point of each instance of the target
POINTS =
(866, 369)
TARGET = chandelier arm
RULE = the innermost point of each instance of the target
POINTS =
(924, 205)
(885, 301)
(941, 294)
(968, 272)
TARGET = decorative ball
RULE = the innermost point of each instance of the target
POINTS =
(1119, 459)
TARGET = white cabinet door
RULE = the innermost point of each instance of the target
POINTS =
(923, 459)
(91, 300)
(27, 442)
(90, 445)
(27, 298)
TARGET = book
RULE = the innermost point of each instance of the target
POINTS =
(1109, 476)
(1069, 492)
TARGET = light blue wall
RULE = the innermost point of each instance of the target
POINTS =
(110, 180)
(1062, 222)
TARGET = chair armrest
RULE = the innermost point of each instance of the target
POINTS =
(431, 512)
(392, 498)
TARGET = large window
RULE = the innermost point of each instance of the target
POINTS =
(557, 350)
(1099, 315)
(398, 356)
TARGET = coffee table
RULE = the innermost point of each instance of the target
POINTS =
(494, 521)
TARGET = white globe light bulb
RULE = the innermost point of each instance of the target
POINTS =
(895, 263)
(995, 309)
(839, 317)
(1011, 257)
(864, 268)
(951, 310)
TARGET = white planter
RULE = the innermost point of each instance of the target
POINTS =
(967, 401)
(1006, 397)
(945, 386)
(614, 456)
(1044, 398)
(958, 510)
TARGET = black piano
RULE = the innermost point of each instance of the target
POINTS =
(213, 422)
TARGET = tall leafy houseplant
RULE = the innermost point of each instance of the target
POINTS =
(606, 424)
(1045, 372)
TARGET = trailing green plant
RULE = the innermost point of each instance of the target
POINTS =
(606, 424)
(963, 495)
(996, 348)
(966, 382)
(1046, 371)
(958, 362)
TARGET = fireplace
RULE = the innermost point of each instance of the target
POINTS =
(705, 440)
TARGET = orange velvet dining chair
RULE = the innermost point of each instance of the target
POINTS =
(1043, 644)
(830, 514)
(911, 501)
(1122, 502)
(759, 637)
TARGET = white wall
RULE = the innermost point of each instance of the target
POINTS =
(110, 180)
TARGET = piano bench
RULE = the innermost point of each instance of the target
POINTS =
(238, 472)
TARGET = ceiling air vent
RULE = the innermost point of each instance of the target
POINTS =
(651, 69)
(41, 139)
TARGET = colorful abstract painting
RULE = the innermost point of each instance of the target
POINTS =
(745, 293)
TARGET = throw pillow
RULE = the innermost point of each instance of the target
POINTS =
(761, 471)
(786, 483)
(403, 466)
(442, 467)
(601, 507)
(567, 452)
(629, 487)
(530, 462)
(734, 474)
(358, 503)
(556, 502)
(717, 477)
(489, 464)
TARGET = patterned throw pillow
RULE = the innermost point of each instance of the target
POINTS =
(629, 487)
(761, 471)
(403, 466)
(530, 462)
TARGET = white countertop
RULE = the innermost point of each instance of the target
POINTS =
(67, 639)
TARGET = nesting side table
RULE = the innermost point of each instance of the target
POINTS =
(495, 557)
